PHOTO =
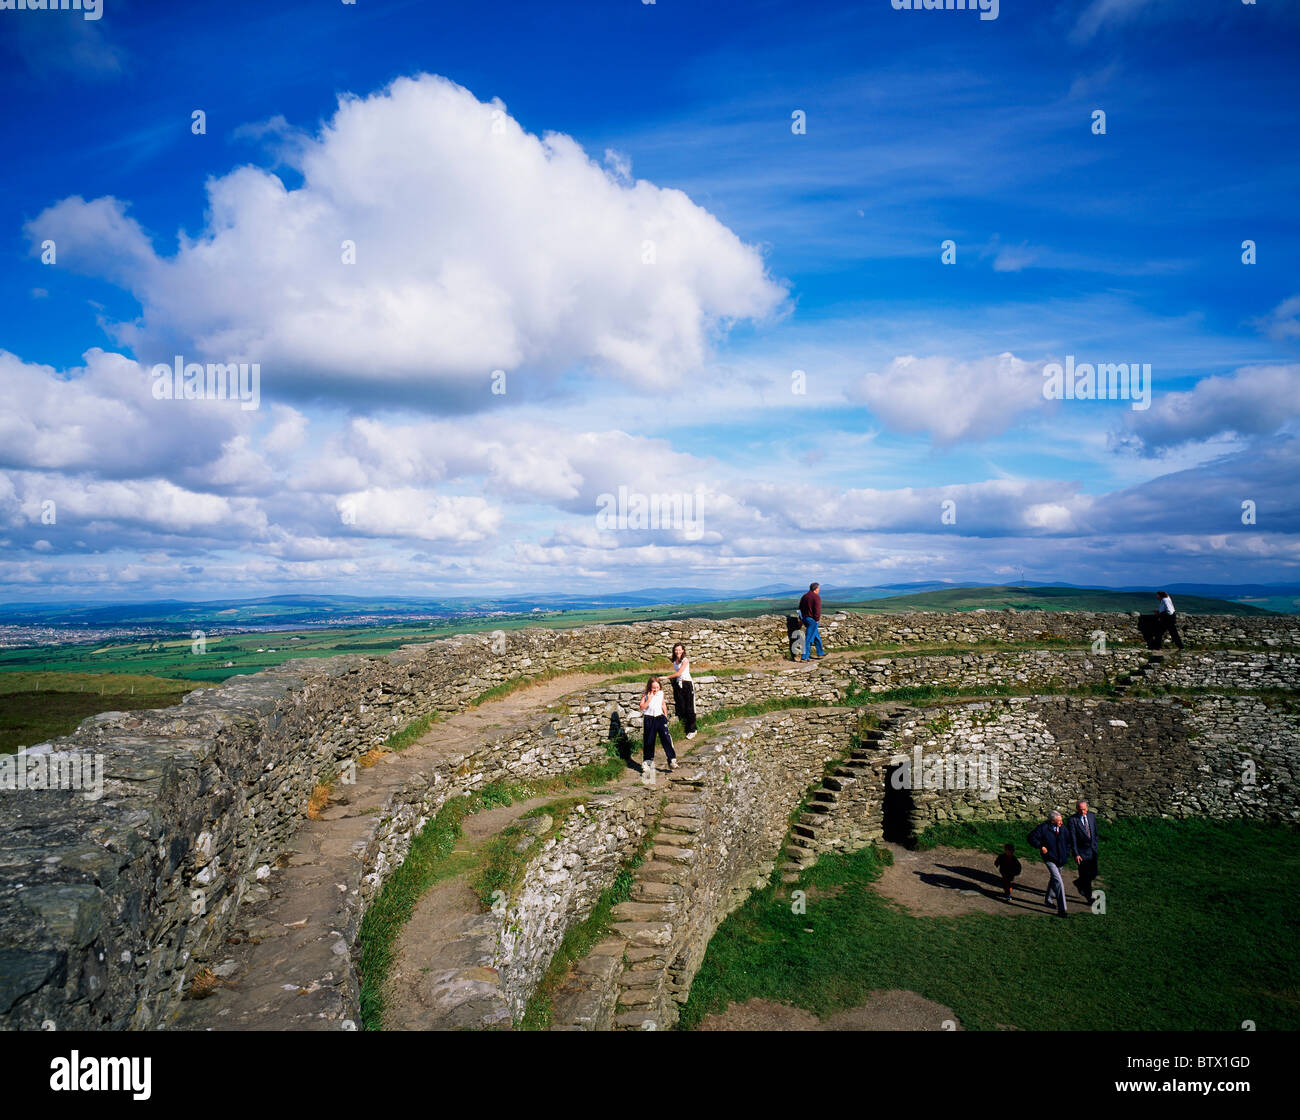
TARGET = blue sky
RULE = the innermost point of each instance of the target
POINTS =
(500, 171)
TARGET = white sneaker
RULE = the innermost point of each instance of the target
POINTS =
(691, 735)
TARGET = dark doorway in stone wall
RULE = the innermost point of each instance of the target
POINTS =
(899, 810)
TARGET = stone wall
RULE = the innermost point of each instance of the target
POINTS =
(1258, 670)
(106, 904)
(1214, 756)
(562, 883)
(1067, 669)
(100, 922)
(720, 837)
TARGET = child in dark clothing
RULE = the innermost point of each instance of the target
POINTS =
(1009, 867)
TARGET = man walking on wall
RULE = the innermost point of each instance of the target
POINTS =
(810, 610)
(1082, 828)
(1165, 612)
(1053, 841)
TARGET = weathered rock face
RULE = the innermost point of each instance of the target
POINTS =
(1212, 756)
(719, 837)
(105, 904)
(1055, 670)
(562, 883)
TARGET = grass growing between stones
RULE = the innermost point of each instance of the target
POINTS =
(432, 858)
(711, 721)
(922, 693)
(1199, 934)
(580, 938)
(413, 732)
(514, 684)
(506, 856)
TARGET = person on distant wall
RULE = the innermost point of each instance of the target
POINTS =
(1165, 612)
(1053, 841)
(810, 610)
(1082, 827)
(654, 724)
(683, 690)
(1008, 867)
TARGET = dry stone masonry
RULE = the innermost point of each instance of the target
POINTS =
(109, 907)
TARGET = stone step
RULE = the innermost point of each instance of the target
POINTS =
(666, 853)
(802, 841)
(644, 911)
(660, 871)
(640, 957)
(637, 1021)
(683, 824)
(839, 781)
(820, 806)
(673, 838)
(791, 866)
(805, 830)
(630, 998)
(645, 934)
(802, 856)
(814, 821)
(690, 808)
(645, 891)
(826, 795)
(643, 978)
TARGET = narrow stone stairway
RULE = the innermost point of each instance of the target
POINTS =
(863, 764)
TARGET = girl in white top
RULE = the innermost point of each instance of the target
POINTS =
(683, 689)
(654, 724)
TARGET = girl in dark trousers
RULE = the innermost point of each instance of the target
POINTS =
(654, 723)
(683, 690)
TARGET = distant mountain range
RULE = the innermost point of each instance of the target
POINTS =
(317, 610)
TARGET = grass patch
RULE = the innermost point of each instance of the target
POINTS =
(413, 732)
(1198, 936)
(36, 707)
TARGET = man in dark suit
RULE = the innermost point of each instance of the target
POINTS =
(1052, 840)
(1082, 828)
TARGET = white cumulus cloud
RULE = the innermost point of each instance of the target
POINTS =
(478, 246)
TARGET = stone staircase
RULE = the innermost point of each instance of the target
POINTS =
(644, 924)
(802, 849)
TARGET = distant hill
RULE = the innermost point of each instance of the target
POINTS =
(1053, 599)
(301, 611)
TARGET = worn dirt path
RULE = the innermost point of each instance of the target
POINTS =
(894, 1009)
(428, 986)
(288, 959)
(944, 882)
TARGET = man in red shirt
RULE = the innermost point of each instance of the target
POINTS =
(810, 610)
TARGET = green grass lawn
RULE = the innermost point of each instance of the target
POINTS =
(35, 707)
(1200, 933)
